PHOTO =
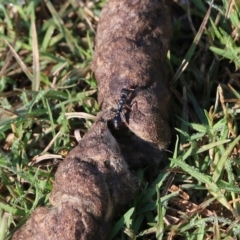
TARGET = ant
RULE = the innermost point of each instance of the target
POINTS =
(122, 101)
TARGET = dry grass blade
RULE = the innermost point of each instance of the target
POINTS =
(51, 143)
(191, 50)
(8, 59)
(230, 7)
(80, 115)
(38, 159)
(77, 134)
(20, 62)
(225, 111)
(36, 65)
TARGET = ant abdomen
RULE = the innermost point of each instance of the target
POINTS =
(122, 101)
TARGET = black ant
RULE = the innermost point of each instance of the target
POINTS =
(122, 101)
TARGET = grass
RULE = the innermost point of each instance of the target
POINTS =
(47, 91)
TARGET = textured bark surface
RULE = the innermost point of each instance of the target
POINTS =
(131, 46)
(89, 184)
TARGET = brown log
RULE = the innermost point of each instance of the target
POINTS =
(131, 49)
(131, 46)
(89, 184)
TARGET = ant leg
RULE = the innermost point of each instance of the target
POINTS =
(133, 108)
(113, 110)
(123, 118)
(136, 106)
(130, 107)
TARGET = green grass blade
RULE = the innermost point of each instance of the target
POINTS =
(220, 165)
(212, 186)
